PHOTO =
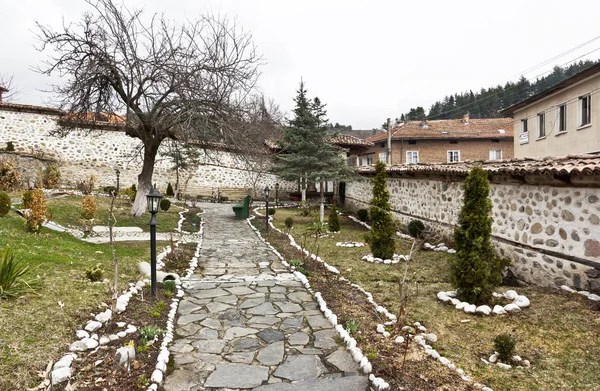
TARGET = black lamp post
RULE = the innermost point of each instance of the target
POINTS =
(154, 198)
(277, 194)
(267, 190)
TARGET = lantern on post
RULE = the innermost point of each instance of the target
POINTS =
(153, 198)
(267, 190)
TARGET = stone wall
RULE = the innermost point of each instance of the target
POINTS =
(550, 231)
(98, 152)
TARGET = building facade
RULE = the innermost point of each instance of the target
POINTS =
(443, 141)
(563, 120)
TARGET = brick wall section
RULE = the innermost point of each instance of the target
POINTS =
(436, 151)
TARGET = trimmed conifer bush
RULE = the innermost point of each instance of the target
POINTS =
(88, 207)
(334, 219)
(476, 269)
(415, 227)
(381, 237)
(362, 214)
(37, 211)
(4, 204)
(505, 344)
(165, 204)
(170, 192)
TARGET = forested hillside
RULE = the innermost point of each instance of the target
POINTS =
(486, 102)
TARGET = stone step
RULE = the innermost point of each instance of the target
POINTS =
(349, 383)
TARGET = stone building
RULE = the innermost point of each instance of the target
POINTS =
(443, 141)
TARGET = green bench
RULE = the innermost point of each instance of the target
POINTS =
(242, 209)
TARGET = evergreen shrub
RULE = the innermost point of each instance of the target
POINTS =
(333, 222)
(476, 270)
(27, 198)
(383, 229)
(272, 211)
(363, 214)
(51, 176)
(10, 146)
(289, 223)
(415, 227)
(505, 344)
(170, 192)
(94, 274)
(5, 203)
(165, 204)
(110, 190)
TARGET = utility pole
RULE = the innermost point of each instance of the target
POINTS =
(389, 142)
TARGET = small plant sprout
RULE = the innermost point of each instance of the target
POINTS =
(149, 333)
(352, 326)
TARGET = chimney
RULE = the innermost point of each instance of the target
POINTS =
(465, 119)
(2, 90)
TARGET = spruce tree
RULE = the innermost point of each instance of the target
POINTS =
(476, 269)
(381, 237)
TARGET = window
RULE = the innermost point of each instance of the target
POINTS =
(453, 156)
(524, 136)
(412, 142)
(541, 125)
(412, 156)
(495, 154)
(382, 145)
(585, 106)
(562, 118)
(366, 160)
(383, 157)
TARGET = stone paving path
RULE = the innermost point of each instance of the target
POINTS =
(246, 323)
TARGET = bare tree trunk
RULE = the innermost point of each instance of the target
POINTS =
(111, 223)
(303, 186)
(145, 180)
(322, 212)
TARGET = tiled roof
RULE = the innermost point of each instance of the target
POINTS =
(95, 119)
(565, 165)
(348, 140)
(30, 108)
(474, 128)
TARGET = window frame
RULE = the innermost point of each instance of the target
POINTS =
(495, 153)
(524, 131)
(384, 154)
(561, 118)
(452, 151)
(541, 125)
(415, 153)
(585, 99)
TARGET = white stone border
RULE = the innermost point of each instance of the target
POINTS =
(591, 296)
(395, 259)
(378, 383)
(441, 247)
(519, 302)
(350, 244)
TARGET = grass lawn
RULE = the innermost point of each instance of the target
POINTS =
(34, 329)
(559, 333)
(65, 211)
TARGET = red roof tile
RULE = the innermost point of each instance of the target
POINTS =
(348, 140)
(565, 165)
(475, 128)
(30, 108)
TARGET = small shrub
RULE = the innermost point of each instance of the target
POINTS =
(155, 314)
(160, 306)
(289, 223)
(87, 186)
(142, 381)
(94, 274)
(129, 195)
(88, 207)
(169, 286)
(305, 212)
(505, 344)
(362, 214)
(317, 228)
(51, 176)
(170, 192)
(27, 198)
(415, 227)
(148, 333)
(165, 204)
(36, 215)
(10, 177)
(10, 146)
(5, 203)
(14, 277)
(272, 211)
(334, 219)
(110, 190)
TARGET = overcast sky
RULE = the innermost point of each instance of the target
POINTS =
(367, 60)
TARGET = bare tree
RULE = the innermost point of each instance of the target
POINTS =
(8, 91)
(163, 80)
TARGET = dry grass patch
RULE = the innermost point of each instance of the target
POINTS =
(559, 333)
